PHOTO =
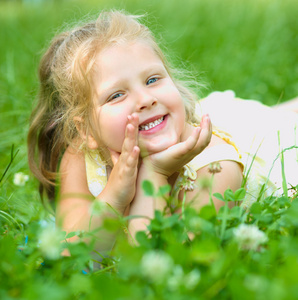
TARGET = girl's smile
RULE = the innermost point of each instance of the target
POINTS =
(131, 78)
(153, 125)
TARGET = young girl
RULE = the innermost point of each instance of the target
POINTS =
(112, 113)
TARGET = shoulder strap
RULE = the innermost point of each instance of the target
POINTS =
(96, 173)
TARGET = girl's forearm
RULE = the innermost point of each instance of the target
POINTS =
(143, 206)
(82, 214)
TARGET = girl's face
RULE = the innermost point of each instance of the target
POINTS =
(131, 78)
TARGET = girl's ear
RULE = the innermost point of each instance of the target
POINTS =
(89, 139)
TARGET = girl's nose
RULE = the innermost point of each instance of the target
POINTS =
(145, 101)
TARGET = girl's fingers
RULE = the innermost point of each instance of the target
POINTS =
(176, 156)
(199, 139)
(196, 142)
(135, 123)
(132, 160)
(192, 141)
(206, 132)
(130, 145)
(130, 165)
(130, 140)
(130, 151)
(131, 134)
(206, 124)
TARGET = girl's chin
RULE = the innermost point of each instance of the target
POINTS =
(148, 148)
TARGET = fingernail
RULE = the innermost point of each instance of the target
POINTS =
(207, 119)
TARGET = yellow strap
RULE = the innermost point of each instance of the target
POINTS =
(224, 136)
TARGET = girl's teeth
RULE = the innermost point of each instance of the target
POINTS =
(151, 124)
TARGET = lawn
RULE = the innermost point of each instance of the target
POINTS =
(246, 46)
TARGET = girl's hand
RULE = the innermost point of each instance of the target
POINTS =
(175, 157)
(122, 180)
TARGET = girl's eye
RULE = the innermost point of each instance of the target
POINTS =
(115, 96)
(152, 80)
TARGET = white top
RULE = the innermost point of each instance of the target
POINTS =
(261, 133)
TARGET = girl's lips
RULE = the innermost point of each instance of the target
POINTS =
(156, 128)
(151, 120)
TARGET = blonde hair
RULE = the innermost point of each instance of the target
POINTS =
(66, 92)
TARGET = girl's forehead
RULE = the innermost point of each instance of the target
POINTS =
(127, 54)
(130, 47)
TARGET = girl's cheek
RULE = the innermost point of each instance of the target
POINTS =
(115, 126)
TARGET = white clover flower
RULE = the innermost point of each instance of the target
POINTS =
(214, 167)
(249, 237)
(176, 279)
(50, 242)
(192, 279)
(156, 265)
(20, 179)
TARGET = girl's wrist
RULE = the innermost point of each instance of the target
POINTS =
(147, 172)
(113, 201)
(157, 179)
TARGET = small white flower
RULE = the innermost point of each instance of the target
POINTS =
(176, 279)
(50, 242)
(192, 279)
(20, 179)
(249, 236)
(214, 167)
(156, 265)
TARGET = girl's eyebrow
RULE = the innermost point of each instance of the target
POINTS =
(154, 68)
(111, 85)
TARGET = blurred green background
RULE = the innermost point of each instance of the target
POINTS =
(248, 46)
